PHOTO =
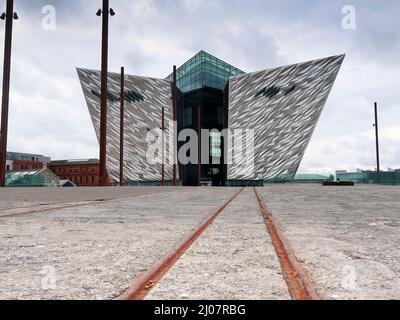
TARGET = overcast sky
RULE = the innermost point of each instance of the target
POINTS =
(48, 113)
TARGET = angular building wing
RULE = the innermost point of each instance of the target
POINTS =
(145, 99)
(282, 106)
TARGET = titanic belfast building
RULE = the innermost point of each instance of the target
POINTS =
(272, 112)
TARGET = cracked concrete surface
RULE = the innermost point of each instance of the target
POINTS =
(31, 198)
(347, 238)
(233, 260)
(96, 251)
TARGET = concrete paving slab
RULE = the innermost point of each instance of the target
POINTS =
(233, 259)
(96, 251)
(347, 238)
(19, 198)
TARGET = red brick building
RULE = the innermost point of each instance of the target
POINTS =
(17, 161)
(84, 173)
(19, 165)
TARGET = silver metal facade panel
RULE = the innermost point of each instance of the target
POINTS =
(283, 106)
(142, 113)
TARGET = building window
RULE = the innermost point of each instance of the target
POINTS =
(188, 117)
(214, 171)
(221, 116)
(215, 145)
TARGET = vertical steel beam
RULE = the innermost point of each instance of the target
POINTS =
(103, 107)
(122, 128)
(174, 119)
(225, 142)
(378, 164)
(6, 91)
(199, 144)
(163, 146)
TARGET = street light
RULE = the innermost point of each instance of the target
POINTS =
(104, 78)
(99, 12)
(8, 16)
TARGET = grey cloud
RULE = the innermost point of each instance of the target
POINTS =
(49, 114)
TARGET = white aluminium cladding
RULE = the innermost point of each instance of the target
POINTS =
(144, 100)
(282, 106)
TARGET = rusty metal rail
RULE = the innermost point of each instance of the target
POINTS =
(146, 282)
(12, 212)
(44, 209)
(299, 285)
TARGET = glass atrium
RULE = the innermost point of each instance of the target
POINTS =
(204, 70)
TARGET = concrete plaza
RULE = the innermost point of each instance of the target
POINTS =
(93, 243)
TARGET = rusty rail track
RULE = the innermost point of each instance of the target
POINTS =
(299, 285)
(47, 208)
(12, 212)
(146, 282)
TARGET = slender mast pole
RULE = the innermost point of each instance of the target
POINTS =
(103, 107)
(378, 164)
(199, 144)
(122, 128)
(163, 146)
(6, 90)
(174, 119)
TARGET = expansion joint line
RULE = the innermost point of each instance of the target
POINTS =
(146, 282)
(55, 207)
(299, 285)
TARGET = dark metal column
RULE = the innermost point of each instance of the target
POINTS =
(122, 124)
(225, 140)
(199, 145)
(163, 146)
(103, 107)
(6, 90)
(174, 119)
(378, 167)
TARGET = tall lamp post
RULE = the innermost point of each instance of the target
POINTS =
(8, 16)
(106, 11)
